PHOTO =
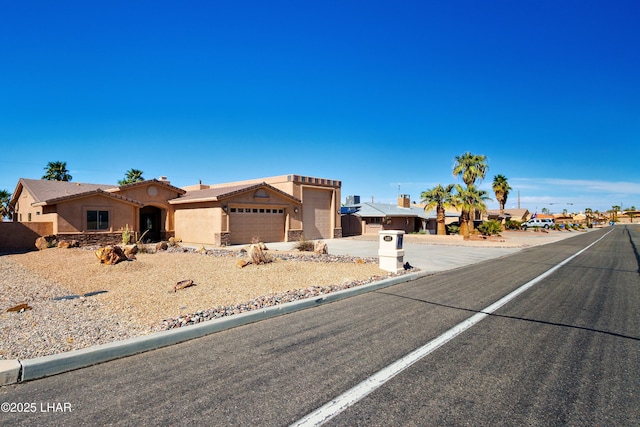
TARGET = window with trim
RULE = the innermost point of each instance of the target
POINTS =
(97, 220)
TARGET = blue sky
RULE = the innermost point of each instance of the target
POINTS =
(380, 95)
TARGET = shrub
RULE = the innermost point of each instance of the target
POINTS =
(304, 245)
(453, 229)
(512, 224)
(490, 228)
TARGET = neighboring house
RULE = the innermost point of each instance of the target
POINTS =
(370, 218)
(281, 208)
(508, 214)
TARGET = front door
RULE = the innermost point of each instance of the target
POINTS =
(150, 217)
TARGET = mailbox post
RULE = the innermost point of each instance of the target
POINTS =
(390, 251)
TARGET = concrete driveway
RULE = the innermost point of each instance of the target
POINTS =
(439, 253)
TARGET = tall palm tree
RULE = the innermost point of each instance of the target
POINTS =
(614, 211)
(438, 197)
(501, 189)
(132, 175)
(471, 168)
(469, 199)
(5, 198)
(631, 212)
(57, 171)
(588, 213)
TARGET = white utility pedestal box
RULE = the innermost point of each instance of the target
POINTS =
(390, 252)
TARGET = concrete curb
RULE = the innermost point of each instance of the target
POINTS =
(15, 371)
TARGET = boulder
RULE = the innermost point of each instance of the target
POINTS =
(130, 250)
(66, 244)
(256, 255)
(45, 242)
(111, 255)
(321, 248)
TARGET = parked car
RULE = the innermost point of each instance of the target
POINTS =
(545, 223)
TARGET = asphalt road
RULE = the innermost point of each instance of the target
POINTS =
(565, 352)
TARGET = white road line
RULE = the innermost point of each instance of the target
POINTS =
(352, 396)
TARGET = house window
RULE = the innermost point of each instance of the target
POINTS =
(97, 220)
(29, 217)
(233, 210)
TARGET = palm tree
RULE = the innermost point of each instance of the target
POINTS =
(631, 213)
(5, 198)
(501, 189)
(469, 199)
(471, 168)
(438, 197)
(57, 171)
(132, 175)
(614, 211)
(588, 213)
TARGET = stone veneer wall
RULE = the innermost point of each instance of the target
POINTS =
(294, 235)
(222, 239)
(102, 239)
(93, 239)
(337, 233)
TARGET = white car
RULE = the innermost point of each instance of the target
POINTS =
(538, 222)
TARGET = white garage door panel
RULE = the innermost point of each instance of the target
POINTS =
(316, 206)
(265, 224)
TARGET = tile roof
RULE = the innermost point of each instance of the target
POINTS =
(44, 190)
(98, 191)
(380, 210)
(149, 181)
(217, 193)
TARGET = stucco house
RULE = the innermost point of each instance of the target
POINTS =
(370, 218)
(94, 212)
(508, 214)
(281, 208)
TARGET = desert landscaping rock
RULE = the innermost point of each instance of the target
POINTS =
(78, 302)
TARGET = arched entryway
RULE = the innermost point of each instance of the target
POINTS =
(151, 222)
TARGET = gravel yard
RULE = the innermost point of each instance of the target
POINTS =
(135, 297)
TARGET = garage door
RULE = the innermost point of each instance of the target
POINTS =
(316, 207)
(263, 224)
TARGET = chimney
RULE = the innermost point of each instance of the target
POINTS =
(163, 179)
(404, 201)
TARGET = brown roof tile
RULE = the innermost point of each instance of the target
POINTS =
(44, 190)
